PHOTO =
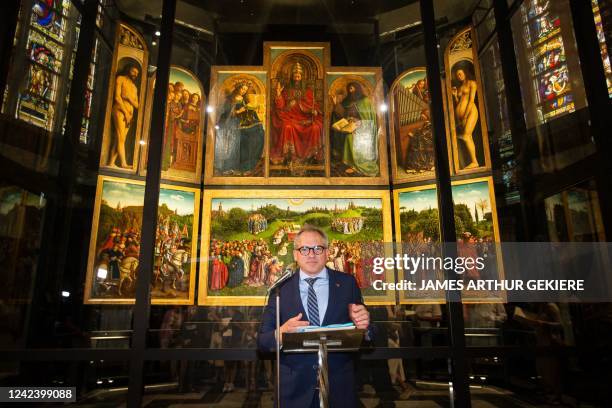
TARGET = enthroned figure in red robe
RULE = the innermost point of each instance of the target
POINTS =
(297, 122)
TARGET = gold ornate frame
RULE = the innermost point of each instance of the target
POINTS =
(88, 299)
(209, 195)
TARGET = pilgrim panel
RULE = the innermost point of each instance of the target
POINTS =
(417, 228)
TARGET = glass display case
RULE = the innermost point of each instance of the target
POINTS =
(174, 187)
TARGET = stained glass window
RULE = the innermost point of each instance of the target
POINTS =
(543, 32)
(45, 51)
(551, 83)
(601, 36)
(48, 38)
(49, 17)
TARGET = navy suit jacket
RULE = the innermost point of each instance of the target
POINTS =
(298, 372)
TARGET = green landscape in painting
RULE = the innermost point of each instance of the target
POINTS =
(252, 239)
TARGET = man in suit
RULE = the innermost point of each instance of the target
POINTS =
(318, 296)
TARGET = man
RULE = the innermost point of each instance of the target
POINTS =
(297, 122)
(315, 295)
(125, 103)
(357, 147)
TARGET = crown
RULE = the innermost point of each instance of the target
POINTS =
(297, 67)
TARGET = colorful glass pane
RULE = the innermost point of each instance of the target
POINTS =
(40, 83)
(547, 59)
(554, 90)
(44, 52)
(549, 55)
(91, 76)
(48, 20)
(87, 109)
(34, 104)
(601, 36)
(84, 130)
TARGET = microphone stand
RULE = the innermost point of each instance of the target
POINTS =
(278, 338)
(276, 287)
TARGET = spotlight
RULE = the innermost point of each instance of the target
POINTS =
(157, 33)
(65, 293)
(210, 109)
(102, 273)
(383, 107)
(142, 143)
(154, 43)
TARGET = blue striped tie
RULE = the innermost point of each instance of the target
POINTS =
(313, 306)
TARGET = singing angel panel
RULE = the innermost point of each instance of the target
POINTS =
(183, 128)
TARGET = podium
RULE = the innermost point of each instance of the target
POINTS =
(323, 342)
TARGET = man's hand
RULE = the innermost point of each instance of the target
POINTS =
(359, 315)
(291, 325)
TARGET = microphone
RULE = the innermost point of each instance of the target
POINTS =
(280, 281)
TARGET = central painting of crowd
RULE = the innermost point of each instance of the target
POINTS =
(296, 117)
(248, 242)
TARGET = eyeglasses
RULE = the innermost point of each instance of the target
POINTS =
(317, 250)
